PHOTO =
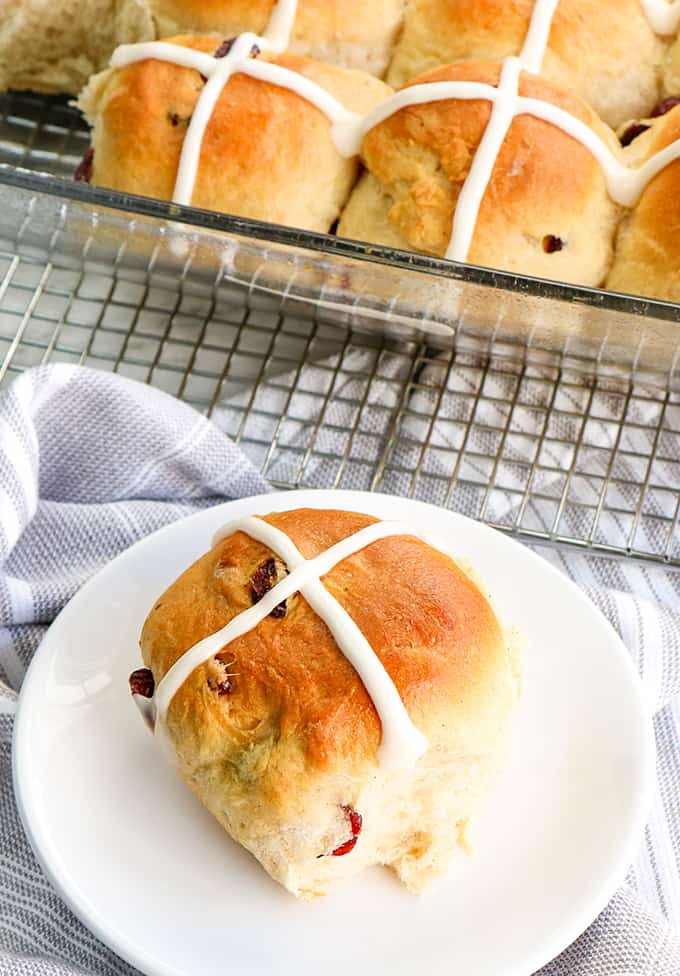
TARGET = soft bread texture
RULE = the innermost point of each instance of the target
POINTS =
(647, 258)
(671, 69)
(267, 153)
(603, 50)
(280, 758)
(53, 47)
(57, 46)
(349, 33)
(545, 184)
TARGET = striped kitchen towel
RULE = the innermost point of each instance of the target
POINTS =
(89, 463)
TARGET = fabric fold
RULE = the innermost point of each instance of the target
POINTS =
(91, 462)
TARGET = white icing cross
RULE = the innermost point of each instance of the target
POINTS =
(473, 189)
(401, 744)
(624, 185)
(538, 35)
(663, 17)
(349, 129)
(218, 71)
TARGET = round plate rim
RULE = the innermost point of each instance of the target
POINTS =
(149, 964)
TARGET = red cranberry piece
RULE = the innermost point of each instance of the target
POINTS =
(224, 48)
(221, 687)
(665, 106)
(345, 848)
(632, 132)
(262, 581)
(222, 684)
(355, 820)
(355, 824)
(551, 243)
(142, 683)
(83, 173)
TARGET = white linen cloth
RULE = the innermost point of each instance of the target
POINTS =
(89, 463)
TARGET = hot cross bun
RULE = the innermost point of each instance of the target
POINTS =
(276, 732)
(603, 50)
(546, 210)
(267, 153)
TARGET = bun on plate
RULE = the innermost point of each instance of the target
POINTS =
(275, 730)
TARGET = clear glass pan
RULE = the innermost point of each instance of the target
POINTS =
(482, 310)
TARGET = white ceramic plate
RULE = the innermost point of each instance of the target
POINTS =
(149, 871)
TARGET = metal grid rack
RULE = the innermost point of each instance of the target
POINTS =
(40, 133)
(531, 450)
(526, 449)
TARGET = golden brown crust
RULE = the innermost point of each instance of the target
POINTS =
(428, 623)
(209, 16)
(277, 736)
(647, 257)
(603, 50)
(267, 152)
(545, 183)
(350, 33)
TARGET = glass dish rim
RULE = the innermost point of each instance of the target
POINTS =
(131, 206)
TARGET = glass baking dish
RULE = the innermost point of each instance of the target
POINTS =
(47, 214)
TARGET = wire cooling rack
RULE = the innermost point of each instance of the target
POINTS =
(533, 450)
(41, 133)
(529, 450)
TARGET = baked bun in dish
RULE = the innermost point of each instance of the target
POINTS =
(670, 81)
(647, 256)
(500, 154)
(350, 33)
(264, 151)
(546, 210)
(56, 46)
(335, 690)
(605, 51)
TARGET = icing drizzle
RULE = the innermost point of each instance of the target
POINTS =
(218, 71)
(663, 17)
(538, 35)
(472, 192)
(348, 129)
(401, 744)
